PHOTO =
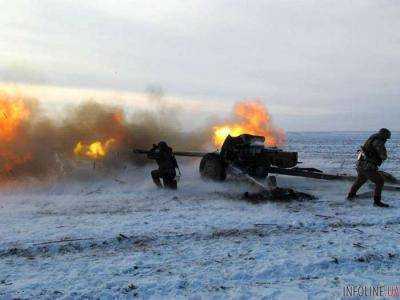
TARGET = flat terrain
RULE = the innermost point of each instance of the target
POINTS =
(125, 238)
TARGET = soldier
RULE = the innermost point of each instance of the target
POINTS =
(372, 154)
(167, 163)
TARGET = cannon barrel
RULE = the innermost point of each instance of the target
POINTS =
(176, 153)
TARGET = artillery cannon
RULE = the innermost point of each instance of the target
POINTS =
(246, 155)
(245, 152)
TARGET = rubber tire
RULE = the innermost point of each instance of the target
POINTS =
(212, 167)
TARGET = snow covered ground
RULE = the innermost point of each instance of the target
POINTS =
(124, 238)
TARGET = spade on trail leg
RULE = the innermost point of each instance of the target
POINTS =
(271, 192)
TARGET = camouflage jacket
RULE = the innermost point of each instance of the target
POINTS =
(164, 158)
(374, 153)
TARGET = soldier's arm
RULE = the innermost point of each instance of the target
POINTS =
(380, 149)
(154, 153)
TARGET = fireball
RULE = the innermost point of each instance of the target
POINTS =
(12, 113)
(250, 117)
(95, 150)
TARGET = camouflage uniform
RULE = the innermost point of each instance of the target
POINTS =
(373, 154)
(166, 165)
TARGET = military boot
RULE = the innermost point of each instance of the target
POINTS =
(351, 197)
(157, 182)
(380, 204)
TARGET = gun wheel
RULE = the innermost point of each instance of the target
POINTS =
(211, 167)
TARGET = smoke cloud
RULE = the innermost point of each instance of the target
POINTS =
(102, 136)
(34, 145)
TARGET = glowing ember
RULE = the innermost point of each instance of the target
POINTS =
(95, 150)
(250, 117)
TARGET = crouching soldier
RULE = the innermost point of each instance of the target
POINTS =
(372, 154)
(167, 164)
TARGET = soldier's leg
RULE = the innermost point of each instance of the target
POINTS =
(379, 182)
(155, 174)
(170, 182)
(168, 177)
(360, 181)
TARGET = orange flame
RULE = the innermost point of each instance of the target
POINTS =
(95, 150)
(251, 117)
(12, 114)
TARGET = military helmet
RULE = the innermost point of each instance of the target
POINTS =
(162, 145)
(385, 133)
